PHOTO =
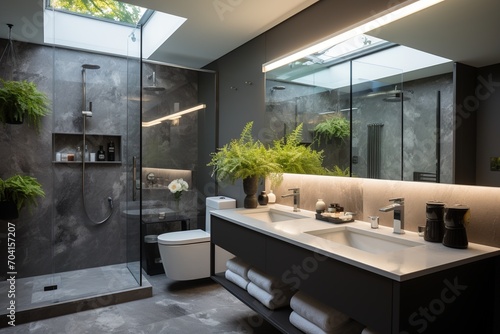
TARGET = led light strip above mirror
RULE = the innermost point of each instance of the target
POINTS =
(385, 17)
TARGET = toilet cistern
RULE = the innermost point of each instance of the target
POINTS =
(398, 206)
(296, 198)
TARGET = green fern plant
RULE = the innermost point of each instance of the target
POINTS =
(293, 157)
(335, 127)
(22, 190)
(21, 100)
(338, 171)
(242, 158)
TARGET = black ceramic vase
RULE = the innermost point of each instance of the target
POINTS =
(250, 185)
(263, 199)
(455, 235)
(434, 227)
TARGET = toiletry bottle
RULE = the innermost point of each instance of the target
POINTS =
(87, 153)
(101, 155)
(262, 198)
(111, 151)
(78, 155)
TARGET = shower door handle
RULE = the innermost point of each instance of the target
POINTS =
(134, 178)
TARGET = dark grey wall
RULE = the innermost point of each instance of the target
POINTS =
(465, 125)
(487, 95)
(241, 81)
(58, 236)
(240, 103)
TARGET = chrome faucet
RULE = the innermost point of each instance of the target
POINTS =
(296, 198)
(398, 206)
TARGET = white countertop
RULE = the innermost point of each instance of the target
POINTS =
(399, 265)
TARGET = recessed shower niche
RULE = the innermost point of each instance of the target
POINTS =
(66, 144)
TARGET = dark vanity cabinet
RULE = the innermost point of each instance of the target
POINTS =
(457, 299)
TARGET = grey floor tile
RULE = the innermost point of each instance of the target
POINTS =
(199, 306)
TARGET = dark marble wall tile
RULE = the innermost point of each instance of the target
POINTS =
(59, 235)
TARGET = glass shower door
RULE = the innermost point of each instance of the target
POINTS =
(131, 157)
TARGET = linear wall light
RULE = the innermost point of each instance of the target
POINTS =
(385, 17)
(173, 116)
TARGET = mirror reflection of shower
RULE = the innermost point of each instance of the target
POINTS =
(87, 112)
(154, 87)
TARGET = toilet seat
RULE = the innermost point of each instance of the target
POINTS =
(183, 237)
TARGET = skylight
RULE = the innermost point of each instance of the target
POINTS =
(112, 10)
(107, 26)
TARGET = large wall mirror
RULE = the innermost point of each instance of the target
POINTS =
(397, 99)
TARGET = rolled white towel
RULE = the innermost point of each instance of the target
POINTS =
(236, 279)
(271, 301)
(305, 325)
(264, 281)
(238, 266)
(323, 316)
(348, 327)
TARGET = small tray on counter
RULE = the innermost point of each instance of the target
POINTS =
(334, 220)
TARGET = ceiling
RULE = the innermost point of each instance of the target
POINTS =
(213, 27)
(462, 30)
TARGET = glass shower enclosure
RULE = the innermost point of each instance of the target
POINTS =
(80, 248)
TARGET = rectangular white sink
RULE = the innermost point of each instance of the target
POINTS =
(272, 215)
(364, 240)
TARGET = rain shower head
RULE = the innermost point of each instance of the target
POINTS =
(397, 95)
(278, 88)
(90, 67)
(154, 87)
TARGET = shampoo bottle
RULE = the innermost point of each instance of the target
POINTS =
(111, 151)
(101, 155)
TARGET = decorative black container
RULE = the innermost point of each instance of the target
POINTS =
(263, 199)
(250, 185)
(434, 227)
(434, 230)
(455, 235)
(435, 210)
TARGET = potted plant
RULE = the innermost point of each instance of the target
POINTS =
(335, 127)
(16, 193)
(246, 159)
(294, 157)
(21, 100)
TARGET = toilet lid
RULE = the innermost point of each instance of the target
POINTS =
(183, 237)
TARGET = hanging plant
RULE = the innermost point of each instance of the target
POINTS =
(20, 100)
(335, 127)
(21, 191)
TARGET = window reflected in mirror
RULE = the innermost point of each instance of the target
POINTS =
(375, 109)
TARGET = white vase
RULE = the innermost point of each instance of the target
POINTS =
(320, 206)
(271, 197)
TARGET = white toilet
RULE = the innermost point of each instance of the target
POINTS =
(186, 254)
